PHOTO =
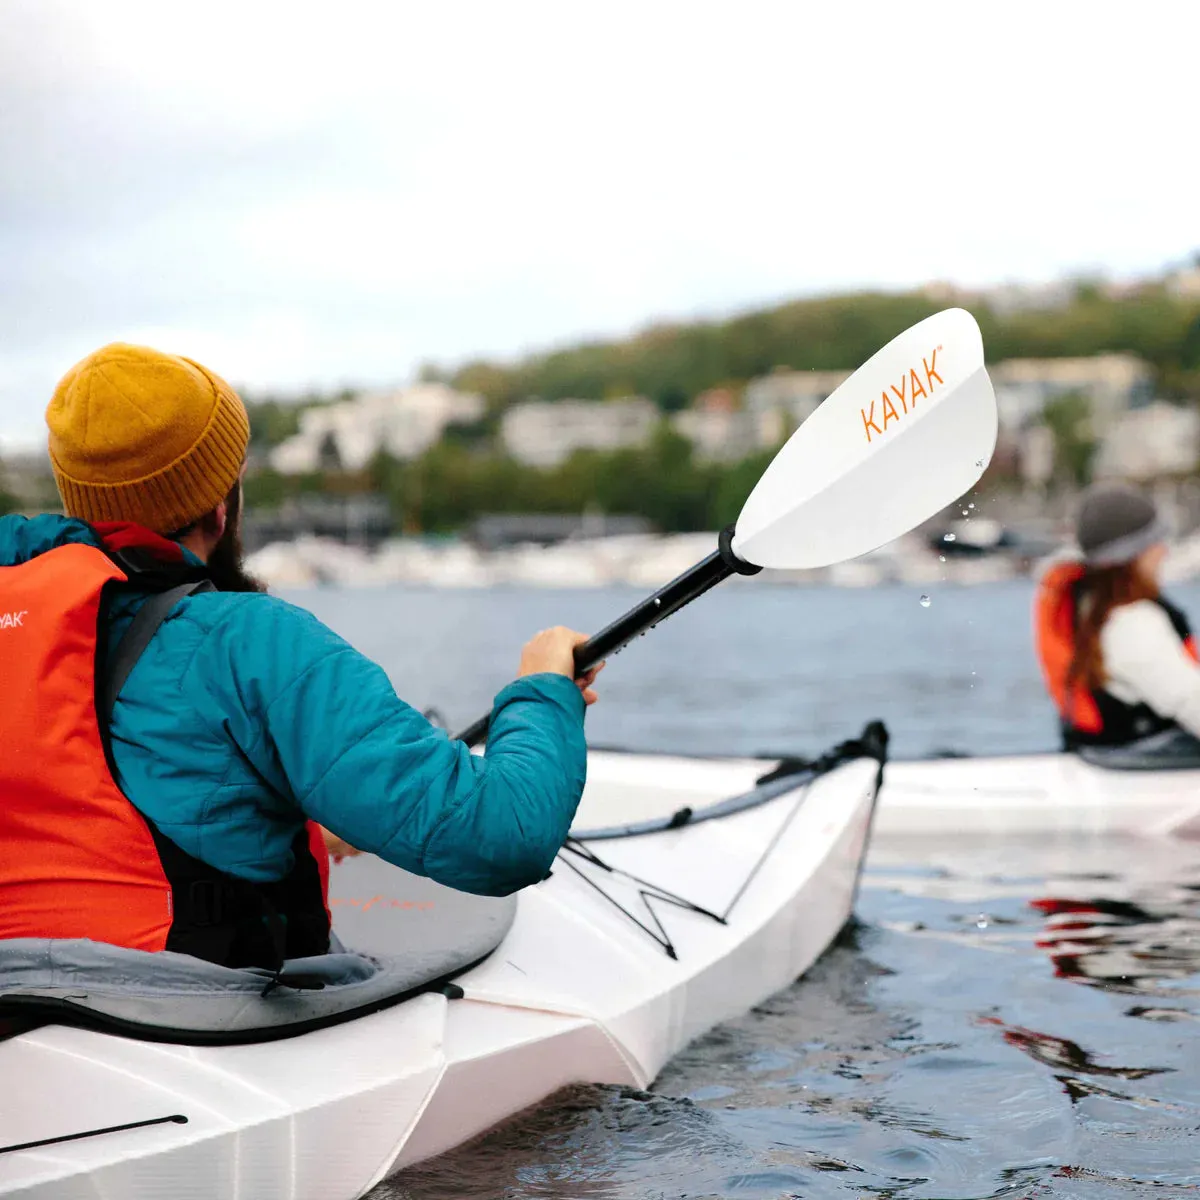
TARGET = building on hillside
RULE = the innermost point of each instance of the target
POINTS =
(789, 398)
(543, 433)
(1035, 454)
(725, 436)
(1002, 298)
(1161, 439)
(1006, 298)
(1184, 283)
(717, 399)
(1112, 383)
(347, 436)
(720, 431)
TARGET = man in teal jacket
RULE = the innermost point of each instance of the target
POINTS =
(246, 717)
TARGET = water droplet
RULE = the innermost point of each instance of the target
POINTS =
(970, 505)
(949, 537)
(925, 602)
(966, 513)
(981, 921)
(941, 558)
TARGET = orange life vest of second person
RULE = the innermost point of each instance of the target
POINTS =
(1089, 716)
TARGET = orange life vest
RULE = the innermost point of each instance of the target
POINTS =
(1088, 715)
(77, 859)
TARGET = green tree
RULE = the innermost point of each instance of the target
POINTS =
(272, 422)
(671, 362)
(1069, 419)
(1189, 348)
(735, 485)
(267, 489)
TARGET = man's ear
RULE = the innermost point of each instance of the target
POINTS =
(212, 524)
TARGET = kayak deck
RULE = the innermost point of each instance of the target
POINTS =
(582, 989)
(1035, 793)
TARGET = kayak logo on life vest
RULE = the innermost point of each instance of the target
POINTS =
(906, 395)
(13, 620)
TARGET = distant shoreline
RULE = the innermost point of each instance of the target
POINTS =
(643, 561)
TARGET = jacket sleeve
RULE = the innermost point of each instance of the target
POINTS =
(1147, 662)
(325, 728)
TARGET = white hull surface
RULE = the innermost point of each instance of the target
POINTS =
(1035, 794)
(575, 993)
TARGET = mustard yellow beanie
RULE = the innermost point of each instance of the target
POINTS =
(137, 435)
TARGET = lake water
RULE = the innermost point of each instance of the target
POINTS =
(1004, 1019)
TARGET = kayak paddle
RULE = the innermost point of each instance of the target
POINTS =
(907, 434)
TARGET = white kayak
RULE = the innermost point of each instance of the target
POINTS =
(592, 983)
(1036, 794)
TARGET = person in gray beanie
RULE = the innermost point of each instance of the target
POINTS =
(1117, 657)
(1116, 525)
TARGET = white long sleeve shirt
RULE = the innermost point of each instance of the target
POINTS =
(1146, 663)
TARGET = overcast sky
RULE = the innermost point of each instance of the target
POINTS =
(331, 194)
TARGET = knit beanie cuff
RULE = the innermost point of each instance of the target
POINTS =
(178, 494)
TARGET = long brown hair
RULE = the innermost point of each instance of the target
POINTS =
(1099, 591)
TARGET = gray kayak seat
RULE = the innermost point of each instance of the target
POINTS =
(1170, 750)
(409, 935)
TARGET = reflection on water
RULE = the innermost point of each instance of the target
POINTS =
(1010, 1019)
(1118, 944)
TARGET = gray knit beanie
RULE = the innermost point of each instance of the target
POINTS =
(1115, 524)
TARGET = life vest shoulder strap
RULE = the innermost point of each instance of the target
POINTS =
(137, 637)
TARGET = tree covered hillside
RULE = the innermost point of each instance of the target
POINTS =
(672, 363)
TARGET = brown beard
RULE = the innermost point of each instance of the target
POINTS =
(226, 566)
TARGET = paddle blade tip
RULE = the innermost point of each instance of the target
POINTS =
(907, 434)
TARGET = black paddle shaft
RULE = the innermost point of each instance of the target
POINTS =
(685, 588)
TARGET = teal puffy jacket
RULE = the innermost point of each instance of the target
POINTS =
(246, 715)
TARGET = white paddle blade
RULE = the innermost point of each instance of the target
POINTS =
(910, 431)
